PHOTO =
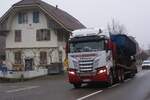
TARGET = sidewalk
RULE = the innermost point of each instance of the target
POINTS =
(23, 74)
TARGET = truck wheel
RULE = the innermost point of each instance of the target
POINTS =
(77, 85)
(111, 81)
(121, 76)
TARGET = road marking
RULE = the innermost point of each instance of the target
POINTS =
(22, 89)
(114, 85)
(89, 95)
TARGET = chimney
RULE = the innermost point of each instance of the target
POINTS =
(56, 6)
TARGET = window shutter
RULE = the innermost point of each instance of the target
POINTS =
(43, 35)
(36, 17)
(43, 57)
(22, 17)
(38, 35)
(18, 57)
(48, 34)
(60, 35)
(18, 36)
(19, 18)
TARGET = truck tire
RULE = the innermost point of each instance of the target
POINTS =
(111, 79)
(76, 86)
(121, 76)
(118, 76)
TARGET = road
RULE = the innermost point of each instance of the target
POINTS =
(56, 87)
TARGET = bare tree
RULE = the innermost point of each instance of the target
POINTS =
(143, 55)
(149, 49)
(115, 28)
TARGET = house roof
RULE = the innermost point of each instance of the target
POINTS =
(61, 17)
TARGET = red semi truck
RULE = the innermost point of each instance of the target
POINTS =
(96, 56)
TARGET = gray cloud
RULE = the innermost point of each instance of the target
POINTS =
(134, 14)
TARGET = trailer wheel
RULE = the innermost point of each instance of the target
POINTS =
(77, 85)
(121, 76)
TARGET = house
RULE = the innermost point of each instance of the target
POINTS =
(36, 34)
(2, 48)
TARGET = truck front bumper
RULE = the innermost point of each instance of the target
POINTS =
(78, 78)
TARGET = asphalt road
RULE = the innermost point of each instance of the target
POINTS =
(56, 87)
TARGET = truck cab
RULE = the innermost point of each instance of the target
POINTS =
(89, 57)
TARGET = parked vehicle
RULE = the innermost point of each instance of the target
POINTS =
(94, 56)
(146, 64)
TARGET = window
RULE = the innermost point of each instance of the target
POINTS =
(59, 35)
(18, 57)
(43, 35)
(36, 17)
(22, 18)
(17, 35)
(62, 35)
(43, 57)
(87, 46)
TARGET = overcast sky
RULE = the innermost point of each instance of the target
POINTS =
(134, 14)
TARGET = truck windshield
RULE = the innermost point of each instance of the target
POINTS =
(87, 46)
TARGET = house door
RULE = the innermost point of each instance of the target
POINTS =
(28, 64)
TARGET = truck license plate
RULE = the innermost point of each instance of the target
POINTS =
(86, 80)
(86, 74)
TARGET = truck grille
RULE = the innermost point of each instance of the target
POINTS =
(86, 65)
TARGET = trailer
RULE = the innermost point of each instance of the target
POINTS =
(95, 56)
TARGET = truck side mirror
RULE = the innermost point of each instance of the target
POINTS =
(108, 45)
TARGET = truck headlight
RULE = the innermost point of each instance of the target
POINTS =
(102, 70)
(72, 72)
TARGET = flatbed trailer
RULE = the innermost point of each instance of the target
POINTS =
(95, 57)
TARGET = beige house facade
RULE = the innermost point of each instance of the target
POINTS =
(36, 34)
